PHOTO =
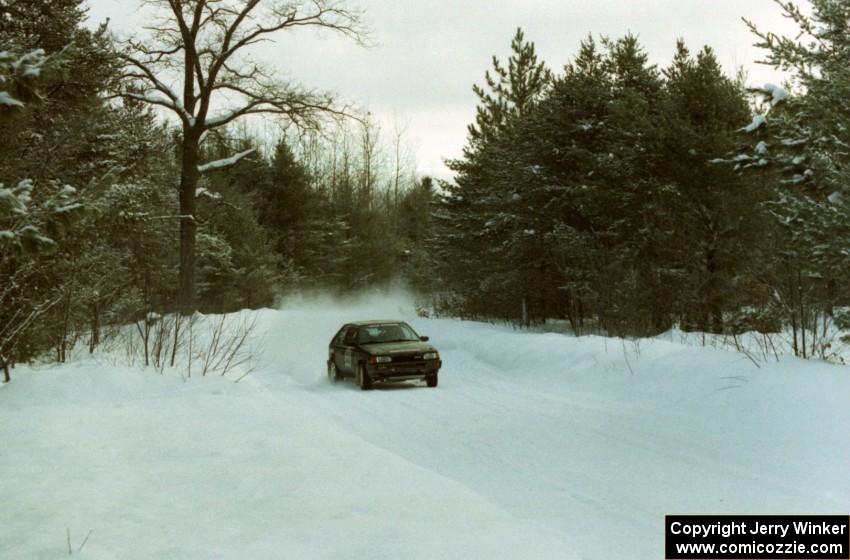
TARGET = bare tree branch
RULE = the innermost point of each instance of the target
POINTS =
(171, 100)
(225, 163)
(208, 34)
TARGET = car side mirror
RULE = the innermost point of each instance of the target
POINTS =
(424, 338)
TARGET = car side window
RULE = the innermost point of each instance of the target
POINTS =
(350, 336)
(339, 336)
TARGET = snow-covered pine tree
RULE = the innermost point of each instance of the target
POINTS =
(34, 215)
(29, 228)
(799, 142)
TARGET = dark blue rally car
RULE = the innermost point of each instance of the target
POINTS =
(377, 351)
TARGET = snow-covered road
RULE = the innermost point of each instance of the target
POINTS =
(533, 446)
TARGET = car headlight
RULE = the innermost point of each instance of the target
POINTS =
(383, 359)
(430, 356)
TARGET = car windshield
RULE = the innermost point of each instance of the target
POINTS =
(390, 332)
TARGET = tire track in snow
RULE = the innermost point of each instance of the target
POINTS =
(584, 449)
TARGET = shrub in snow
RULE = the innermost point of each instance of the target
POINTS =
(197, 345)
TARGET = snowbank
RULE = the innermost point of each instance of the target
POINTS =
(534, 446)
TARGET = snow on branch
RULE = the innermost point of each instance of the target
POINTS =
(227, 162)
(21, 69)
(203, 191)
(223, 119)
(9, 101)
(163, 102)
(758, 122)
(775, 93)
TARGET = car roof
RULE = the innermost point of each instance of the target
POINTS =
(386, 322)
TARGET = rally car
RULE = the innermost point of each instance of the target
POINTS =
(377, 351)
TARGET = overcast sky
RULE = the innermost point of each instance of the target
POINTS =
(428, 53)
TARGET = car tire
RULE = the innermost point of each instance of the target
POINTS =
(431, 380)
(333, 373)
(362, 379)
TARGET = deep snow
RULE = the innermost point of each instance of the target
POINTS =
(534, 446)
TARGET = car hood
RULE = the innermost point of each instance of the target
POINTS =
(390, 348)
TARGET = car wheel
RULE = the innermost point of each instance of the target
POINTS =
(363, 380)
(431, 380)
(333, 373)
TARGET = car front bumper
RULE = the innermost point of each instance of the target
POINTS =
(403, 372)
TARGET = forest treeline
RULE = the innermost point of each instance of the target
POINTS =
(629, 199)
(89, 215)
(622, 197)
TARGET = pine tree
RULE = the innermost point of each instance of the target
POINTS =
(704, 108)
(798, 145)
(39, 24)
(238, 265)
(600, 202)
(65, 139)
(473, 208)
(589, 149)
(817, 60)
(509, 91)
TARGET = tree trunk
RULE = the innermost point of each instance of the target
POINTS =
(6, 376)
(176, 340)
(802, 311)
(793, 312)
(188, 225)
(715, 309)
(94, 340)
(524, 311)
(66, 321)
(146, 335)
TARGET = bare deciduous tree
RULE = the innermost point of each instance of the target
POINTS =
(401, 154)
(203, 45)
